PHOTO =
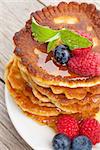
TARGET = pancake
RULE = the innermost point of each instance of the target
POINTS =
(45, 120)
(92, 90)
(21, 84)
(90, 102)
(78, 93)
(20, 98)
(36, 99)
(37, 94)
(25, 93)
(24, 101)
(72, 106)
(70, 93)
(33, 55)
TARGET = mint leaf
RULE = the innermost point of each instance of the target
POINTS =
(45, 34)
(42, 33)
(53, 42)
(51, 45)
(57, 36)
(74, 40)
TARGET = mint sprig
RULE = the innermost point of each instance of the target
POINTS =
(51, 45)
(45, 34)
(74, 40)
(42, 33)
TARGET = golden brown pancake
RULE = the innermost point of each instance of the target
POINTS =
(90, 102)
(36, 99)
(70, 93)
(26, 100)
(22, 100)
(33, 55)
(71, 105)
(78, 93)
(37, 94)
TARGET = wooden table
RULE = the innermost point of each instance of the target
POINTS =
(13, 14)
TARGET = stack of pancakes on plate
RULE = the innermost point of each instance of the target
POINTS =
(42, 89)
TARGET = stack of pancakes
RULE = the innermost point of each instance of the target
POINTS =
(42, 89)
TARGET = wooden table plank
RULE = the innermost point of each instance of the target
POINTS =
(53, 2)
(13, 18)
(13, 15)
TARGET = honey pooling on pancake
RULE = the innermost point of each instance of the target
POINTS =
(66, 20)
(49, 66)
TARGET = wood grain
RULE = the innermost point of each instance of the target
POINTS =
(53, 2)
(13, 14)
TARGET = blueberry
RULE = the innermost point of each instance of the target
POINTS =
(81, 143)
(61, 142)
(62, 54)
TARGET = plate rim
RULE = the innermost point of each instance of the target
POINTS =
(13, 122)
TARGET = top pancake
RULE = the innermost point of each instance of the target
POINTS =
(33, 55)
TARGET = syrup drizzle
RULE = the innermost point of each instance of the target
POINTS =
(46, 62)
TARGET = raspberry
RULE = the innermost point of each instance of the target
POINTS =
(81, 51)
(91, 129)
(80, 123)
(85, 64)
(68, 125)
(86, 35)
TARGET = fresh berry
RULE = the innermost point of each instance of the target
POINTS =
(80, 123)
(61, 142)
(62, 54)
(68, 125)
(91, 129)
(81, 143)
(81, 51)
(86, 64)
(86, 35)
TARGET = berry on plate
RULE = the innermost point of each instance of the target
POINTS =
(61, 142)
(81, 143)
(62, 54)
(91, 129)
(67, 125)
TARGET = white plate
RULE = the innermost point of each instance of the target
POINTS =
(37, 136)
